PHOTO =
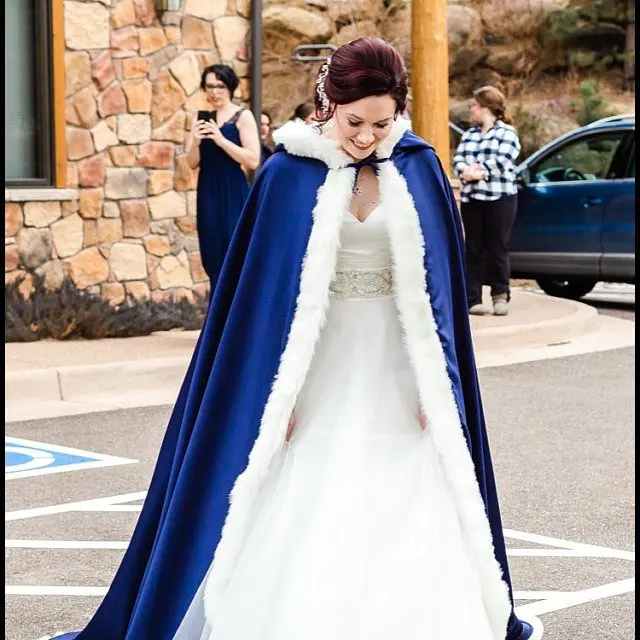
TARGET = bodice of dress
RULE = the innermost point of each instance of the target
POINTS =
(363, 268)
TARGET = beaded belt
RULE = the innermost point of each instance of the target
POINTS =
(359, 285)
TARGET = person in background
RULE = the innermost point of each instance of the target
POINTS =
(305, 112)
(265, 134)
(485, 164)
(224, 146)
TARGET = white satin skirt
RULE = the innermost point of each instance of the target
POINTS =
(356, 534)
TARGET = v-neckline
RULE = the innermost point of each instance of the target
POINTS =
(358, 221)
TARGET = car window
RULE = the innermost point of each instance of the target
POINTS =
(588, 158)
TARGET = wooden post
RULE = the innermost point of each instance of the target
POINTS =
(430, 75)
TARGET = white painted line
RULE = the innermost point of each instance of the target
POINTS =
(598, 551)
(84, 505)
(570, 553)
(65, 544)
(27, 590)
(39, 459)
(133, 508)
(573, 598)
(538, 595)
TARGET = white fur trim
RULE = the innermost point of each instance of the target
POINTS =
(434, 387)
(318, 269)
(301, 139)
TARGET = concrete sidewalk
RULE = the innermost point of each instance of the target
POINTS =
(53, 378)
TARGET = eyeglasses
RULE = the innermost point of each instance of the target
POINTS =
(215, 87)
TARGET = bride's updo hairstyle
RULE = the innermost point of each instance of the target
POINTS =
(359, 69)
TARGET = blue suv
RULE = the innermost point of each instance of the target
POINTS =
(576, 210)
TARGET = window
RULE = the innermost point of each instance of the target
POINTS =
(28, 148)
(588, 158)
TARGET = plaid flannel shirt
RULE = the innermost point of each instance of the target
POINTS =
(496, 151)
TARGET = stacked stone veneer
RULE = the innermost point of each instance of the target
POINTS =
(126, 222)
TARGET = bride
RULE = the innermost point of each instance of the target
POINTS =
(326, 473)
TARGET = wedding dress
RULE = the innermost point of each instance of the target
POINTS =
(356, 534)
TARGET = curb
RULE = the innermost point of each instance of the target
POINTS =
(158, 380)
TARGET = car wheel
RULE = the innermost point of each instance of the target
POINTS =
(572, 288)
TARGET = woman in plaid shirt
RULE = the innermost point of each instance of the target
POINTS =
(485, 164)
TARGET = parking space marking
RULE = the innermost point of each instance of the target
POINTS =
(544, 601)
(28, 458)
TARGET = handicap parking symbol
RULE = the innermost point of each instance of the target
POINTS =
(27, 458)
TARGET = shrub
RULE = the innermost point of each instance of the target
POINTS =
(530, 131)
(591, 106)
(68, 313)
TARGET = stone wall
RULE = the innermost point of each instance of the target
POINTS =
(126, 222)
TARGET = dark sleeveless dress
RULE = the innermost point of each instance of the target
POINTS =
(222, 191)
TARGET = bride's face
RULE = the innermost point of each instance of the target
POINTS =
(361, 126)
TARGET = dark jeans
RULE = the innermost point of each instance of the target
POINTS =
(487, 228)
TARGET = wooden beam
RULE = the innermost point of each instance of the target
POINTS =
(58, 110)
(430, 75)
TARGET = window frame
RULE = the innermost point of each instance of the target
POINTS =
(44, 98)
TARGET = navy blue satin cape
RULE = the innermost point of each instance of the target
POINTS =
(217, 414)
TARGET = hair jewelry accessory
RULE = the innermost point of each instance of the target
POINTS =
(322, 76)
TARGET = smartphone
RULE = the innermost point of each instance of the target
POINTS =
(207, 116)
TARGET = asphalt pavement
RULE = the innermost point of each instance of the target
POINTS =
(561, 432)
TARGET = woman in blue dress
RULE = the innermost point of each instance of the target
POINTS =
(225, 145)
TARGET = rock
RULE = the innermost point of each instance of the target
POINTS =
(103, 137)
(197, 270)
(77, 71)
(123, 156)
(91, 172)
(506, 59)
(396, 30)
(113, 292)
(87, 268)
(79, 143)
(156, 155)
(128, 261)
(72, 175)
(206, 9)
(68, 235)
(353, 31)
(12, 257)
(135, 218)
(307, 25)
(112, 100)
(517, 19)
(145, 12)
(348, 11)
(12, 218)
(464, 60)
(53, 273)
(167, 205)
(123, 14)
(160, 59)
(138, 93)
(135, 68)
(192, 205)
(69, 206)
(187, 225)
(26, 286)
(159, 182)
(229, 33)
(102, 70)
(172, 273)
(86, 25)
(41, 214)
(111, 209)
(185, 177)
(90, 228)
(196, 34)
(157, 245)
(133, 129)
(151, 40)
(109, 230)
(137, 290)
(126, 183)
(464, 27)
(124, 42)
(91, 202)
(34, 246)
(168, 97)
(173, 130)
(186, 71)
(84, 108)
(173, 35)
(70, 115)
